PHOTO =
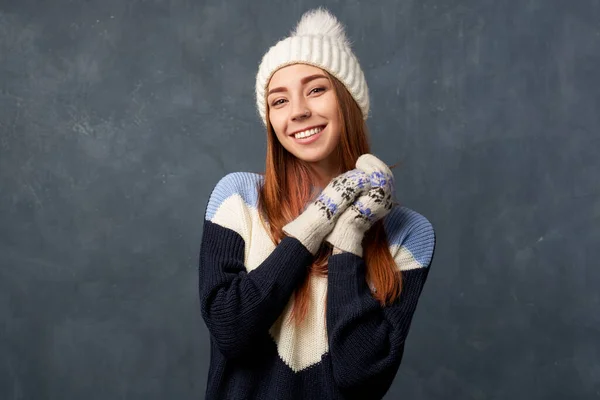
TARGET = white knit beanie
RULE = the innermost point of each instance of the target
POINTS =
(319, 40)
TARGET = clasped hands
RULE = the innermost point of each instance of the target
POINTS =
(346, 208)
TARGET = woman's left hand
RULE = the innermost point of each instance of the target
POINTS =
(348, 233)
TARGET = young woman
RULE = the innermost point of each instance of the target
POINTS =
(310, 273)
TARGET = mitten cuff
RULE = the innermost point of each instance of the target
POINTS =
(309, 228)
(346, 236)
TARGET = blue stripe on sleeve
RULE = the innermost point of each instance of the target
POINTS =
(241, 183)
(410, 229)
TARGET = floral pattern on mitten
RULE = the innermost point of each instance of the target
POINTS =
(369, 207)
(378, 200)
(346, 187)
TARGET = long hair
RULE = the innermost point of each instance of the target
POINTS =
(287, 189)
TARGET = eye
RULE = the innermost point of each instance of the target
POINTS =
(317, 90)
(277, 102)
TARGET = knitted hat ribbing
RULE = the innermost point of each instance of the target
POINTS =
(319, 40)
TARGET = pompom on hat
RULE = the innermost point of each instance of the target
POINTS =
(318, 40)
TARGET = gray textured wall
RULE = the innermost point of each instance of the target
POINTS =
(118, 117)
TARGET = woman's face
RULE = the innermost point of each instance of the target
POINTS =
(303, 110)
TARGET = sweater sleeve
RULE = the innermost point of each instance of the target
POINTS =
(237, 305)
(367, 340)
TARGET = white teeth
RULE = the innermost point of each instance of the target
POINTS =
(307, 133)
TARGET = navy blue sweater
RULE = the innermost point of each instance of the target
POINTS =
(246, 285)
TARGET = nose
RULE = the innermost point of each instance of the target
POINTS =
(301, 115)
(300, 111)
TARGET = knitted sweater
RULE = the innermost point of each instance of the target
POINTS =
(247, 283)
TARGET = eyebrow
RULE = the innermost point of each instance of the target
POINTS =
(304, 81)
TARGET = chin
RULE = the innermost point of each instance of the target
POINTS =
(313, 157)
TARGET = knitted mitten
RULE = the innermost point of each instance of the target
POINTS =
(351, 226)
(319, 217)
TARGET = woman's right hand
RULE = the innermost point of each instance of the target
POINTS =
(319, 218)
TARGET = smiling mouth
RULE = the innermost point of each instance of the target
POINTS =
(308, 132)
